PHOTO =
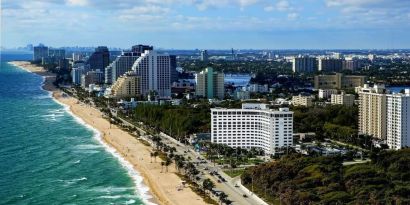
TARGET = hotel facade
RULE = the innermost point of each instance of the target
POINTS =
(252, 126)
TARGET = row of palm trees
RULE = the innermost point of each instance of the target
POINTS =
(236, 156)
(183, 166)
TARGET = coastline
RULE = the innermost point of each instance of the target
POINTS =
(132, 154)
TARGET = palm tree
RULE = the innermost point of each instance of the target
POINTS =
(167, 163)
(222, 197)
(162, 166)
(207, 184)
(152, 155)
(155, 154)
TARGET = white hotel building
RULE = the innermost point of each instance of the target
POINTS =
(398, 120)
(252, 126)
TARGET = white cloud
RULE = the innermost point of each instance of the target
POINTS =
(77, 2)
(269, 8)
(281, 5)
(293, 16)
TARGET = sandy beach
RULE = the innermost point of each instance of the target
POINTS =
(162, 185)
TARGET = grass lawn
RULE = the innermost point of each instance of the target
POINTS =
(234, 173)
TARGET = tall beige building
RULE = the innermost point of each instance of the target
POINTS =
(210, 84)
(127, 85)
(372, 111)
(338, 81)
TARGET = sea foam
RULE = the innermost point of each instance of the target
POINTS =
(141, 189)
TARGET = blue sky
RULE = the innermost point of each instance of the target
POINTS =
(207, 24)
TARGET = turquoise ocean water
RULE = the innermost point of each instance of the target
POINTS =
(47, 156)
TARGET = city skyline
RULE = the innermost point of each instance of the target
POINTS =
(190, 24)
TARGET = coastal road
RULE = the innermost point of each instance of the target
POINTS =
(238, 194)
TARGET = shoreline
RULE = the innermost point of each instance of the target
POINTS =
(155, 187)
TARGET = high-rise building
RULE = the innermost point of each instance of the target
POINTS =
(350, 64)
(398, 120)
(92, 77)
(127, 86)
(108, 74)
(77, 57)
(330, 64)
(253, 126)
(40, 52)
(124, 62)
(210, 84)
(99, 59)
(204, 55)
(174, 72)
(338, 81)
(342, 99)
(121, 65)
(56, 54)
(154, 70)
(304, 64)
(372, 111)
(76, 74)
(140, 49)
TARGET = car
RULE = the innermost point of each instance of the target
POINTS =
(245, 196)
(219, 181)
(237, 186)
(206, 168)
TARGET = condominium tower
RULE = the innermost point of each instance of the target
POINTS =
(154, 70)
(330, 64)
(372, 111)
(124, 62)
(40, 52)
(398, 120)
(99, 59)
(304, 64)
(252, 126)
(210, 84)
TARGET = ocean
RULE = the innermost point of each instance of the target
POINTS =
(48, 156)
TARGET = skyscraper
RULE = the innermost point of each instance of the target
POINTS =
(398, 120)
(56, 54)
(121, 65)
(40, 52)
(204, 55)
(372, 111)
(174, 72)
(210, 84)
(99, 59)
(124, 62)
(140, 49)
(154, 70)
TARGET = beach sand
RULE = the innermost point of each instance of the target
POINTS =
(162, 185)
